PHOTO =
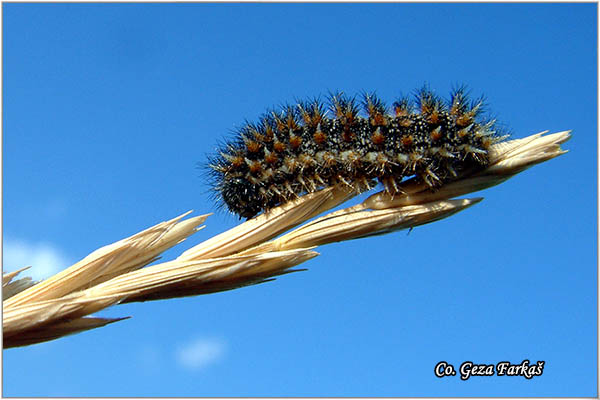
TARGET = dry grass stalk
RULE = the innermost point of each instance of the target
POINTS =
(270, 224)
(243, 255)
(8, 277)
(151, 280)
(109, 261)
(358, 222)
(43, 334)
(11, 287)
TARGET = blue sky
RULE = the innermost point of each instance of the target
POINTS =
(108, 108)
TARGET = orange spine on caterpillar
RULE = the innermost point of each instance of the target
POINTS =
(311, 145)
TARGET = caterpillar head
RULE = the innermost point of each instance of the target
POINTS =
(242, 197)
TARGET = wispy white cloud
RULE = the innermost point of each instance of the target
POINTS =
(200, 353)
(45, 259)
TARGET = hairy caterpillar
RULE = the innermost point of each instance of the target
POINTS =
(310, 145)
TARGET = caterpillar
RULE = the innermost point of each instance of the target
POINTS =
(313, 144)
